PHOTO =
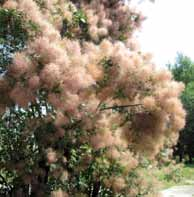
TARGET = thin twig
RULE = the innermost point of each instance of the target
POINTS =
(120, 106)
(98, 106)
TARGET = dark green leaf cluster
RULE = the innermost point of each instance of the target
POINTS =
(183, 71)
(77, 28)
(14, 33)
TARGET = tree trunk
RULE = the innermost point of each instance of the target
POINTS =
(180, 157)
(96, 189)
(39, 187)
(190, 159)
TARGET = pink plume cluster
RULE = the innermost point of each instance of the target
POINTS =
(111, 19)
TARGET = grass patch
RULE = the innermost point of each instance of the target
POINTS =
(175, 175)
(188, 172)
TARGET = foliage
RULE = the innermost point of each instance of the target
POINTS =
(14, 32)
(80, 106)
(183, 70)
(174, 174)
(77, 28)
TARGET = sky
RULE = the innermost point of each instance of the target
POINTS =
(169, 29)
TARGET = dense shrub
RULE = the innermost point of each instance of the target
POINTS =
(81, 103)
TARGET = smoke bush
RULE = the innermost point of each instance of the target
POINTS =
(109, 103)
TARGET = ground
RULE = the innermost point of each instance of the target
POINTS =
(184, 182)
(179, 191)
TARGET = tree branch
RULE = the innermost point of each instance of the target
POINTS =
(120, 106)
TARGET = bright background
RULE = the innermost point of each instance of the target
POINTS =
(169, 29)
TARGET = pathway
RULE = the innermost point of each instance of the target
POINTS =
(179, 191)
